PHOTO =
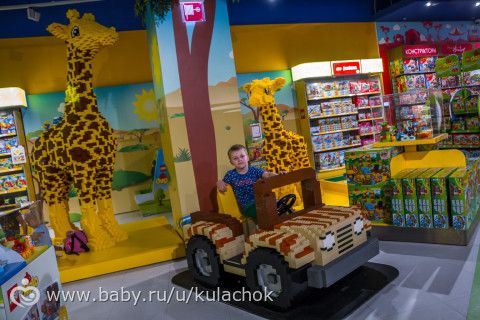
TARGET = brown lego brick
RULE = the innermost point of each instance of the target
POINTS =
(229, 221)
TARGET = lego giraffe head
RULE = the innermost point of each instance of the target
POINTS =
(83, 33)
(261, 91)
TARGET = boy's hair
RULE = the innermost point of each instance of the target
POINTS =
(235, 147)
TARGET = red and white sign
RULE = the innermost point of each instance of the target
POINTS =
(345, 67)
(455, 48)
(419, 51)
(192, 11)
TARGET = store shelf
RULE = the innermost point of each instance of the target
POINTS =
(4, 155)
(346, 96)
(464, 131)
(466, 113)
(338, 148)
(414, 73)
(3, 172)
(425, 235)
(14, 191)
(409, 104)
(368, 134)
(370, 119)
(460, 87)
(331, 169)
(369, 107)
(457, 147)
(329, 132)
(8, 135)
(15, 209)
(433, 140)
(334, 115)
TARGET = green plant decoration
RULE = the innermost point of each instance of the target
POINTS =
(183, 155)
(159, 8)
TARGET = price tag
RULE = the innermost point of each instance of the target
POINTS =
(18, 155)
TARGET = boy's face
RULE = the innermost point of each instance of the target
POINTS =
(239, 159)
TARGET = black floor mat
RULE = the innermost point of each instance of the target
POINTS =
(335, 302)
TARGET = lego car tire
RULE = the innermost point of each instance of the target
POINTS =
(290, 290)
(198, 245)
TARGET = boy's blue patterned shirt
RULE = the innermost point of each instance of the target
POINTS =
(242, 184)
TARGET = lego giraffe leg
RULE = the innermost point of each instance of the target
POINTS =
(98, 238)
(55, 187)
(105, 206)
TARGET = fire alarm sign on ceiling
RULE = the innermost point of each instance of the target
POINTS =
(192, 11)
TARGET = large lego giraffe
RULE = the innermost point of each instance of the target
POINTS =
(284, 150)
(81, 148)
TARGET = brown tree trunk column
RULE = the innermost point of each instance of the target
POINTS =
(193, 73)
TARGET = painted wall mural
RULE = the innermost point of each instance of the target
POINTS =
(196, 87)
(449, 36)
(397, 33)
(133, 113)
(251, 120)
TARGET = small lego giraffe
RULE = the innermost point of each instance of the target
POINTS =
(81, 148)
(284, 150)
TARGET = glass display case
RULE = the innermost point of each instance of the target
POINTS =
(413, 115)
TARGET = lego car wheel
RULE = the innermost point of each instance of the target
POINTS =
(268, 273)
(285, 204)
(203, 261)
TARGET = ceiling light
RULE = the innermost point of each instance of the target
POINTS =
(477, 4)
(428, 4)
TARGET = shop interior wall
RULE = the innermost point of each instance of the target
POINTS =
(272, 50)
(39, 65)
(259, 48)
(123, 81)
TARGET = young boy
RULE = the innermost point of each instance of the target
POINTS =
(242, 178)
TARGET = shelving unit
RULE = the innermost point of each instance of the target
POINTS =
(341, 110)
(16, 186)
(459, 78)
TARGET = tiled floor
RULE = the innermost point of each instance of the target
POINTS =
(434, 282)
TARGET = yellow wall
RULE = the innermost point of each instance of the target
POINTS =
(260, 48)
(39, 64)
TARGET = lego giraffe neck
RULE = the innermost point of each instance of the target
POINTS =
(271, 120)
(79, 82)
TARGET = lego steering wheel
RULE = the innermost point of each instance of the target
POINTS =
(285, 204)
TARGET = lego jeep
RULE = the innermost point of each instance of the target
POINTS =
(290, 252)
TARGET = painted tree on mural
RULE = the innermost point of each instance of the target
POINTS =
(193, 73)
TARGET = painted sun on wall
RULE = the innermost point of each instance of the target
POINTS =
(133, 113)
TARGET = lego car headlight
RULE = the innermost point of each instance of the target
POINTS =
(358, 225)
(328, 241)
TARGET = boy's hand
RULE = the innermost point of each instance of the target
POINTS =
(221, 186)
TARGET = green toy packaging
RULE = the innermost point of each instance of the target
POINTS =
(410, 198)
(424, 197)
(398, 215)
(438, 187)
(369, 166)
(461, 199)
(373, 201)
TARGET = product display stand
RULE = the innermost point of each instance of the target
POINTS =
(424, 159)
(149, 241)
(335, 302)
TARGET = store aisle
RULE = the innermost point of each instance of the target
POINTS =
(434, 282)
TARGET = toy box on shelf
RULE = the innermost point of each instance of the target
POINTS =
(460, 83)
(412, 68)
(368, 173)
(342, 101)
